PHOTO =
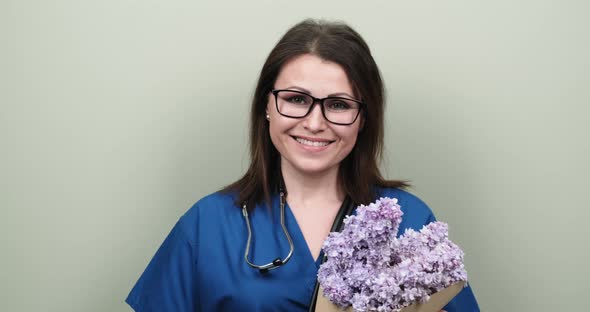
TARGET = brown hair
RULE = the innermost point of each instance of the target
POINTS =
(359, 171)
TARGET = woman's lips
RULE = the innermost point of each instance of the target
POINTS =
(312, 144)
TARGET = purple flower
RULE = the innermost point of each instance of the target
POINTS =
(372, 269)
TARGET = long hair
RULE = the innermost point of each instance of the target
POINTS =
(359, 171)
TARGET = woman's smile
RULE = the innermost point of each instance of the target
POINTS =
(312, 144)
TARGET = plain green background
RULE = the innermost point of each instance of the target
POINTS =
(116, 116)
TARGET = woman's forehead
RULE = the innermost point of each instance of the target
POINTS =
(315, 75)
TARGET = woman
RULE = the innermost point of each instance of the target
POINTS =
(306, 159)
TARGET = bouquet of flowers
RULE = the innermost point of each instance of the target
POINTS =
(369, 268)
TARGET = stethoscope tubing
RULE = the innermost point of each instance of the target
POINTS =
(278, 262)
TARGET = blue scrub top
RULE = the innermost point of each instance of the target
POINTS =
(200, 265)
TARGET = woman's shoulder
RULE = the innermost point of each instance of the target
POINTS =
(214, 203)
(414, 208)
(210, 209)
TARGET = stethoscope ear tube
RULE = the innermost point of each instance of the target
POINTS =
(346, 209)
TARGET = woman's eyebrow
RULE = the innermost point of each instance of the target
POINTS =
(298, 88)
(342, 94)
(329, 95)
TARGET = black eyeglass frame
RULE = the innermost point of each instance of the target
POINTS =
(321, 101)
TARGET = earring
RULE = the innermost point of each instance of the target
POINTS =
(267, 117)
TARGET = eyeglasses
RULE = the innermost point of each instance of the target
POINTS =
(337, 110)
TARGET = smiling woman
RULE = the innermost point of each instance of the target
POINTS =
(256, 244)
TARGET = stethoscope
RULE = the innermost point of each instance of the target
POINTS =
(345, 209)
(278, 262)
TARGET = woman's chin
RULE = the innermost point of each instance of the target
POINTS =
(315, 170)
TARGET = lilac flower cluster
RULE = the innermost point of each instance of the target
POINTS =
(372, 269)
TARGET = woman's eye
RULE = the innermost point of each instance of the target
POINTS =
(338, 105)
(297, 100)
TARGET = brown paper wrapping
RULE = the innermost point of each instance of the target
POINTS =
(436, 302)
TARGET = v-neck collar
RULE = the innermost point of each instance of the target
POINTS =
(299, 239)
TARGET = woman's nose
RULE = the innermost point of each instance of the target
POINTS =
(315, 121)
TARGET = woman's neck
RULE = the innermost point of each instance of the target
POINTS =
(309, 190)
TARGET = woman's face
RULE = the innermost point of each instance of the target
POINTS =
(312, 145)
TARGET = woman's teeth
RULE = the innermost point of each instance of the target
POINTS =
(312, 143)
